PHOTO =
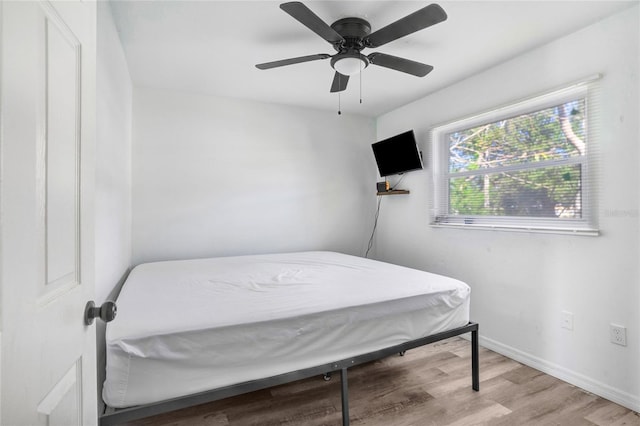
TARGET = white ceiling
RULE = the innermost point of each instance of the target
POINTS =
(212, 47)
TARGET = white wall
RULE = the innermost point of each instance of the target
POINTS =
(113, 152)
(216, 176)
(521, 282)
(113, 171)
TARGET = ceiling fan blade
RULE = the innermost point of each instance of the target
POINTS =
(339, 82)
(292, 61)
(306, 17)
(400, 64)
(419, 20)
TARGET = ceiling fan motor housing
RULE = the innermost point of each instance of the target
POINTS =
(353, 30)
(352, 27)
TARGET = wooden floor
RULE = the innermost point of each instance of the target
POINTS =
(430, 385)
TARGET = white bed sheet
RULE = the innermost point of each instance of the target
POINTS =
(188, 326)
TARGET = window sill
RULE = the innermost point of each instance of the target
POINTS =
(525, 229)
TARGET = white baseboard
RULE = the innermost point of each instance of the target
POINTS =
(625, 399)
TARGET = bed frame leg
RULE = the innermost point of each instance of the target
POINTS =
(475, 364)
(345, 397)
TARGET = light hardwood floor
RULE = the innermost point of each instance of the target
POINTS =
(429, 386)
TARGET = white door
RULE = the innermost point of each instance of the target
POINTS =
(47, 112)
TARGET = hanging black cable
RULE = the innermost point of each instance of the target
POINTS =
(375, 225)
(398, 182)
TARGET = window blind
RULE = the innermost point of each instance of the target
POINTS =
(525, 166)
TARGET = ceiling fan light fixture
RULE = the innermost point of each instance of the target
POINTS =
(349, 64)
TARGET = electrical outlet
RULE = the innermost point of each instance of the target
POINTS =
(618, 334)
(566, 320)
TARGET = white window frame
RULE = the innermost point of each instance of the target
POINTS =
(586, 225)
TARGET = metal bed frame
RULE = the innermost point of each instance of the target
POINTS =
(114, 416)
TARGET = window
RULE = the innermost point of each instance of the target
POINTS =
(521, 167)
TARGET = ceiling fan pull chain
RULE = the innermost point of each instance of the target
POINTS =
(339, 107)
(361, 85)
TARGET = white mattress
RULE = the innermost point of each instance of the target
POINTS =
(188, 326)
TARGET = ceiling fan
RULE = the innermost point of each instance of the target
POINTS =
(349, 36)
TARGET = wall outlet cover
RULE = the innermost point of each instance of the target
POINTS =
(618, 334)
(566, 320)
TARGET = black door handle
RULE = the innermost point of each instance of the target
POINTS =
(106, 312)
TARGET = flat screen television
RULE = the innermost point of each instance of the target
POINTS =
(397, 154)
